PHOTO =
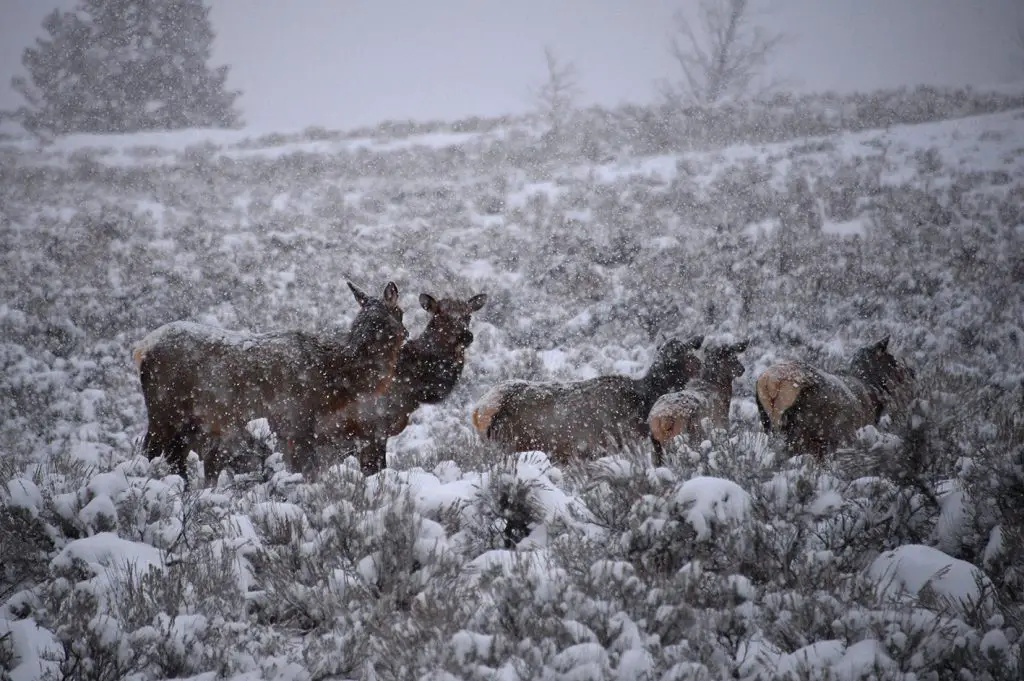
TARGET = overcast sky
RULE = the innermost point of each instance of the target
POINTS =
(343, 63)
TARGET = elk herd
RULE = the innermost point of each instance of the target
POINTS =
(346, 392)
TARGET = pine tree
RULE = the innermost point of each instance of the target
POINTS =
(123, 66)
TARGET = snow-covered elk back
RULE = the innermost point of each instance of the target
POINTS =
(427, 370)
(815, 411)
(576, 418)
(706, 396)
(202, 384)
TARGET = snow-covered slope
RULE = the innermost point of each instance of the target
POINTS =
(728, 561)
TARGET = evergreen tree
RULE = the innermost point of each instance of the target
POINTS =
(123, 66)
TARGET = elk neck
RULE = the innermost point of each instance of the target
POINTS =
(429, 365)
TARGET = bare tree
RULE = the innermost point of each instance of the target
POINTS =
(1018, 40)
(721, 55)
(557, 96)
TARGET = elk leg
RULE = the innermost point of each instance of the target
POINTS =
(818, 444)
(659, 453)
(373, 456)
(766, 422)
(171, 443)
(213, 456)
(802, 438)
(287, 437)
(306, 453)
(156, 440)
(185, 439)
(300, 447)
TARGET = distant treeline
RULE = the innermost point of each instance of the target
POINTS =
(785, 116)
(599, 134)
(595, 135)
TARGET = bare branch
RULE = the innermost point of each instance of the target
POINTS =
(557, 96)
(720, 55)
(1018, 40)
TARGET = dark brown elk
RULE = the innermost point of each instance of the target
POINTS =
(571, 419)
(705, 397)
(816, 411)
(428, 368)
(202, 384)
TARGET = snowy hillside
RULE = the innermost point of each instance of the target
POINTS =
(902, 559)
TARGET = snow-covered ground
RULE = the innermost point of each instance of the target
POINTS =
(899, 560)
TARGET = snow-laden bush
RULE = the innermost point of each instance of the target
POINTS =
(899, 558)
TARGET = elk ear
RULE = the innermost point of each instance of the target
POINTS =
(740, 346)
(694, 342)
(477, 301)
(882, 345)
(361, 297)
(429, 303)
(391, 294)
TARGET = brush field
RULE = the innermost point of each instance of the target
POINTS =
(902, 559)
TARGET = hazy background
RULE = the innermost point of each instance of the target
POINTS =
(343, 63)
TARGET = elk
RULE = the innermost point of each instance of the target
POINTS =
(427, 370)
(203, 384)
(705, 397)
(815, 411)
(568, 419)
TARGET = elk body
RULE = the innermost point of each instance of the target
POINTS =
(705, 397)
(428, 368)
(202, 384)
(815, 411)
(569, 419)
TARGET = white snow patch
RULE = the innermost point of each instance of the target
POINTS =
(634, 665)
(277, 512)
(994, 547)
(712, 500)
(848, 228)
(764, 228)
(810, 659)
(826, 503)
(951, 525)
(469, 644)
(910, 568)
(536, 563)
(108, 555)
(861, 659)
(23, 493)
(100, 512)
(35, 650)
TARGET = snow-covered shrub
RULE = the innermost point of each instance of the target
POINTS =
(728, 561)
(610, 486)
(187, 617)
(26, 541)
(349, 562)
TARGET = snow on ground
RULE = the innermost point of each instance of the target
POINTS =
(460, 559)
(110, 556)
(909, 569)
(712, 500)
(34, 649)
(162, 147)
